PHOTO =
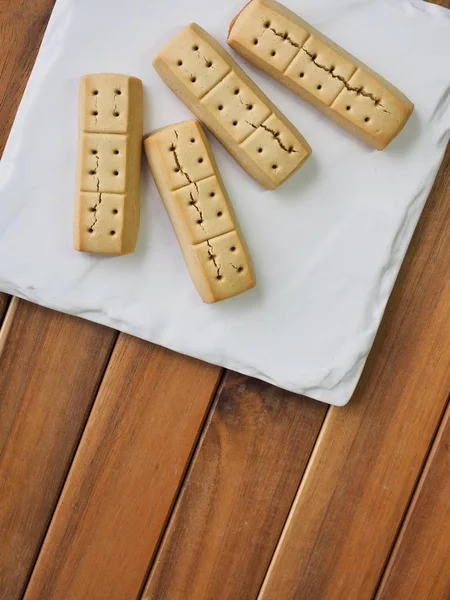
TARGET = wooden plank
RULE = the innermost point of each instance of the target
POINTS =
(125, 475)
(237, 494)
(419, 566)
(369, 454)
(50, 369)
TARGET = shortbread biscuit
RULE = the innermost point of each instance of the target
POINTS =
(283, 45)
(110, 145)
(225, 99)
(192, 190)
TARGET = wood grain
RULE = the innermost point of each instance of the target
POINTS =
(237, 494)
(125, 475)
(369, 454)
(419, 567)
(47, 385)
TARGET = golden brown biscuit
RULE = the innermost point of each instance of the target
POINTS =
(110, 145)
(192, 190)
(283, 45)
(225, 99)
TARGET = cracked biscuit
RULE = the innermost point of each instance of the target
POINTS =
(189, 183)
(225, 99)
(110, 145)
(283, 45)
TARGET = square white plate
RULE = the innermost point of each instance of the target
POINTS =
(327, 245)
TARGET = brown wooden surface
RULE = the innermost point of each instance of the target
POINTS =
(236, 497)
(237, 494)
(419, 568)
(370, 453)
(47, 384)
(125, 475)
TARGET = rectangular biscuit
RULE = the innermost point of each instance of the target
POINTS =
(110, 146)
(225, 99)
(188, 180)
(283, 45)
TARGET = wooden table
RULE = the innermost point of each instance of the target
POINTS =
(128, 471)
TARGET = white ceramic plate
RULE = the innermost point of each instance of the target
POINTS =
(327, 245)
